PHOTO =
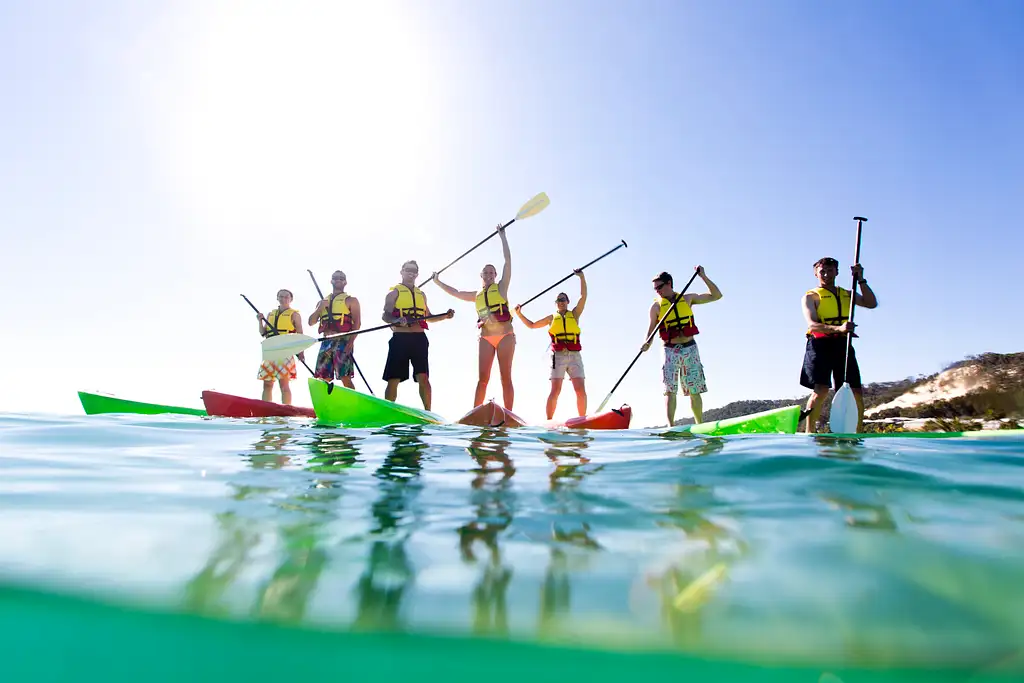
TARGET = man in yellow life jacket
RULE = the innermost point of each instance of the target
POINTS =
(336, 314)
(682, 360)
(564, 330)
(827, 311)
(405, 306)
(282, 320)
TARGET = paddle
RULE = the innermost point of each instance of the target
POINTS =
(620, 246)
(646, 342)
(530, 208)
(262, 317)
(311, 276)
(284, 345)
(844, 415)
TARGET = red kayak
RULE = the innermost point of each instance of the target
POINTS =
(226, 405)
(490, 414)
(615, 418)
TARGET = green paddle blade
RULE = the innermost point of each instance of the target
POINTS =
(534, 206)
(843, 417)
(284, 346)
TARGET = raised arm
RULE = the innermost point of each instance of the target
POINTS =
(506, 270)
(577, 310)
(465, 296)
(714, 293)
(866, 297)
(543, 322)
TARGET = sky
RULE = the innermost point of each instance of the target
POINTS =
(162, 158)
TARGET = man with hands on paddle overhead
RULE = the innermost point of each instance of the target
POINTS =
(282, 320)
(682, 360)
(564, 330)
(828, 324)
(497, 338)
(336, 314)
(405, 306)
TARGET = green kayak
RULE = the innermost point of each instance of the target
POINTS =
(337, 405)
(94, 404)
(775, 421)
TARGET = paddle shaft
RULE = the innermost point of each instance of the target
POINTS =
(620, 246)
(468, 251)
(648, 341)
(273, 327)
(358, 369)
(853, 300)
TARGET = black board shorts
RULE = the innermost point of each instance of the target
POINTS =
(403, 349)
(824, 361)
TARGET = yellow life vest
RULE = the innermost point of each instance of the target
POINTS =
(829, 311)
(410, 303)
(564, 332)
(280, 322)
(491, 304)
(679, 323)
(336, 317)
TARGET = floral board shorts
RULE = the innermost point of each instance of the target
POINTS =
(682, 362)
(271, 370)
(566, 363)
(335, 359)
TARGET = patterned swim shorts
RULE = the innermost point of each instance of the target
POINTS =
(335, 359)
(682, 361)
(271, 370)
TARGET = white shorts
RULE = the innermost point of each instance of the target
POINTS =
(683, 363)
(566, 362)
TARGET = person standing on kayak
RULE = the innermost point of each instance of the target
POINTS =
(682, 360)
(282, 320)
(564, 330)
(336, 314)
(494, 319)
(827, 313)
(405, 306)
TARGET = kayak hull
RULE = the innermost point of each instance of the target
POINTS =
(615, 418)
(227, 405)
(784, 420)
(337, 405)
(96, 404)
(491, 414)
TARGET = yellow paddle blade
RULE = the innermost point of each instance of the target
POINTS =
(534, 206)
(284, 346)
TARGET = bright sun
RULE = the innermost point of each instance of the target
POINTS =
(307, 114)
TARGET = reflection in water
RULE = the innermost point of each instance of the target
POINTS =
(570, 467)
(862, 515)
(491, 485)
(839, 448)
(694, 444)
(388, 573)
(285, 594)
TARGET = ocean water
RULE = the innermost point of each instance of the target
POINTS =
(174, 546)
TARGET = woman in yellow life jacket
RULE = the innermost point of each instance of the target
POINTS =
(282, 320)
(494, 320)
(336, 314)
(564, 330)
(682, 364)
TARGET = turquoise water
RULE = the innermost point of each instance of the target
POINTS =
(887, 559)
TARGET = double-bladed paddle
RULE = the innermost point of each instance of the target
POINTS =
(284, 345)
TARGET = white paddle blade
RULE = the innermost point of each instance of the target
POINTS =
(284, 346)
(534, 206)
(842, 418)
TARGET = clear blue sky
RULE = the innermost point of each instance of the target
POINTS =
(161, 158)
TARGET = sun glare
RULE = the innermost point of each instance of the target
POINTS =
(305, 114)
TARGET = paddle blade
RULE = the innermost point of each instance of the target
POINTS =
(284, 346)
(534, 206)
(842, 418)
